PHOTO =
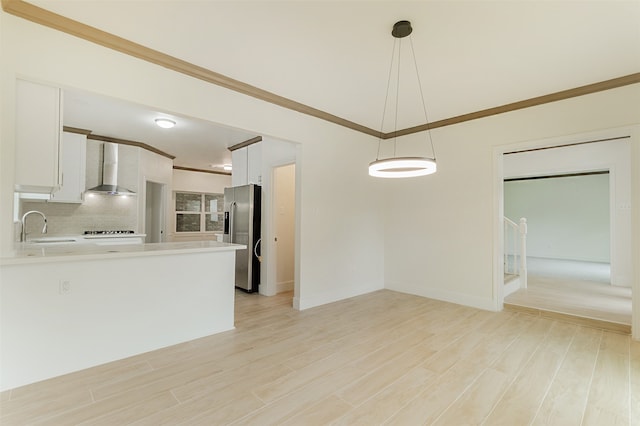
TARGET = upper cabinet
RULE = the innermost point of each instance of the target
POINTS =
(254, 161)
(247, 165)
(239, 163)
(73, 157)
(38, 137)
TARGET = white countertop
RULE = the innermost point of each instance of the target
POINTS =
(86, 239)
(25, 253)
(98, 236)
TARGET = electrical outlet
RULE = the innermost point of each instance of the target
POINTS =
(65, 287)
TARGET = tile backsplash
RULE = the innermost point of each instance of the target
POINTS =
(97, 212)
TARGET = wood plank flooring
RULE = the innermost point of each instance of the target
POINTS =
(600, 304)
(381, 358)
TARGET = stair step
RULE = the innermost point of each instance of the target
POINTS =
(574, 319)
(510, 277)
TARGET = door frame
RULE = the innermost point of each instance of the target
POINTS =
(498, 203)
(162, 220)
(269, 257)
(275, 221)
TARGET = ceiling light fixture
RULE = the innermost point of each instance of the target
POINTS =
(165, 123)
(402, 167)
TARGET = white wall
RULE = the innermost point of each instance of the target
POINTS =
(431, 236)
(341, 250)
(567, 217)
(188, 181)
(440, 230)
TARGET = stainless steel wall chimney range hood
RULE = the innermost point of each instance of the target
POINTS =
(109, 184)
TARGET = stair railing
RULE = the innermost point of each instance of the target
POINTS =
(515, 249)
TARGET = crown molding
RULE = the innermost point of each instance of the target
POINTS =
(58, 22)
(191, 169)
(52, 20)
(527, 103)
(77, 130)
(245, 143)
(131, 143)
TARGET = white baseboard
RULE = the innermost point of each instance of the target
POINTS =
(333, 296)
(486, 304)
(284, 286)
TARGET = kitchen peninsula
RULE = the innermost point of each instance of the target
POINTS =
(68, 307)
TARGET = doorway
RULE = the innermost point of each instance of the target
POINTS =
(283, 214)
(154, 212)
(603, 163)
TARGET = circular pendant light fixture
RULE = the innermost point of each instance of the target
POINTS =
(397, 166)
(402, 167)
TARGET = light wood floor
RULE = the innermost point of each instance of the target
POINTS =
(382, 358)
(607, 305)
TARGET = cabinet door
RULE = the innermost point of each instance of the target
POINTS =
(73, 154)
(38, 133)
(254, 161)
(240, 167)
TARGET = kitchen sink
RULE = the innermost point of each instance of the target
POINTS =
(51, 240)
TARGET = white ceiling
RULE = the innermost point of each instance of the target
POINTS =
(335, 55)
(195, 143)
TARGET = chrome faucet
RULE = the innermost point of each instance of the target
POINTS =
(23, 234)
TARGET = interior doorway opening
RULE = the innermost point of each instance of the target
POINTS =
(278, 249)
(561, 279)
(154, 212)
(284, 214)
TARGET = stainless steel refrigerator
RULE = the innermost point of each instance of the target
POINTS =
(242, 226)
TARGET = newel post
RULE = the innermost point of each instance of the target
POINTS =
(523, 252)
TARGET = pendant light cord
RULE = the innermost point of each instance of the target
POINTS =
(424, 107)
(395, 166)
(386, 98)
(395, 119)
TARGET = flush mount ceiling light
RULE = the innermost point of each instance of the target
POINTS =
(225, 167)
(396, 166)
(165, 123)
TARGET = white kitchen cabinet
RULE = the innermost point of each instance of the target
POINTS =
(37, 137)
(247, 165)
(254, 162)
(73, 157)
(240, 167)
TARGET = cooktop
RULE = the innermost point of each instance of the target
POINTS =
(113, 232)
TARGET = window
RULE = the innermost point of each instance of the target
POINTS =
(199, 212)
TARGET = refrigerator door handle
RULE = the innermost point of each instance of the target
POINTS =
(255, 250)
(232, 207)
